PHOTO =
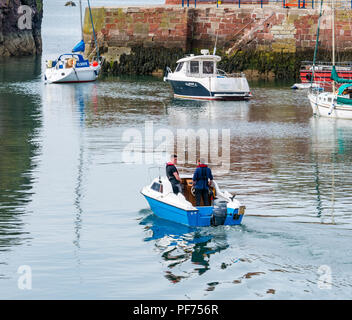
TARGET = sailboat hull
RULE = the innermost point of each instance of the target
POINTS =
(72, 75)
(325, 105)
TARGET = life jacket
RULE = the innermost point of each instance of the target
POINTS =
(170, 177)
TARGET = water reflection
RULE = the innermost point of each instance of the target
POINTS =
(20, 122)
(331, 151)
(178, 245)
(19, 69)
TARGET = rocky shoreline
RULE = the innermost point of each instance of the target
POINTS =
(20, 27)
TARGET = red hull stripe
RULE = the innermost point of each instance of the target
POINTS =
(74, 81)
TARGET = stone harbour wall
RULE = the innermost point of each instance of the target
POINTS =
(20, 27)
(272, 30)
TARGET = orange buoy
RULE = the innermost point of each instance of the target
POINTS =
(95, 64)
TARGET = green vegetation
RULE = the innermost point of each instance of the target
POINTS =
(282, 65)
(144, 61)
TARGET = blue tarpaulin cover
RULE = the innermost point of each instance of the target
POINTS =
(80, 47)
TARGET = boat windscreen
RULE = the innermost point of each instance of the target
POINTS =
(156, 187)
(179, 66)
(194, 67)
(208, 67)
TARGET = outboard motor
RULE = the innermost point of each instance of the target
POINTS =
(219, 213)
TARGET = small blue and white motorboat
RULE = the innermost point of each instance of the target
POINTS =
(197, 77)
(224, 209)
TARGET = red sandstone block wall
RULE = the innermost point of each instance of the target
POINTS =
(274, 28)
(148, 26)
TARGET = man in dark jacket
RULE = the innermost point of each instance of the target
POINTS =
(173, 176)
(202, 179)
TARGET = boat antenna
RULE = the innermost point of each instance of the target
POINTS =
(216, 42)
(95, 37)
(81, 16)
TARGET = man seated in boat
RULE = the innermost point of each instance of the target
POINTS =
(202, 179)
(173, 175)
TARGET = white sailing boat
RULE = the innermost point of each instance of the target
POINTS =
(338, 103)
(73, 67)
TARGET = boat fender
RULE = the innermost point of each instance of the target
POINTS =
(331, 109)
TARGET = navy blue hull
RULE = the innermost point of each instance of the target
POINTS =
(189, 88)
(195, 90)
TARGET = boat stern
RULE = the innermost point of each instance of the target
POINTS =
(234, 215)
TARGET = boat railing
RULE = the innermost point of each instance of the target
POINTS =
(230, 75)
(321, 65)
(218, 72)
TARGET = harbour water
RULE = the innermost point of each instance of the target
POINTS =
(70, 207)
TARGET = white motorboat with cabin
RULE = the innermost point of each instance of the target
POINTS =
(73, 67)
(181, 208)
(197, 77)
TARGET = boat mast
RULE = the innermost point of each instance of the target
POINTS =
(316, 43)
(333, 39)
(81, 16)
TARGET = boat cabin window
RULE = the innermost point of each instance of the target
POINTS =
(194, 67)
(158, 187)
(208, 67)
(179, 67)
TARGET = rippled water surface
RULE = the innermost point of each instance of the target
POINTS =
(70, 207)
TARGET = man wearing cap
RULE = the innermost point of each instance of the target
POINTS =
(173, 175)
(202, 179)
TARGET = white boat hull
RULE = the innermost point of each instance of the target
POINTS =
(72, 75)
(305, 86)
(324, 105)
